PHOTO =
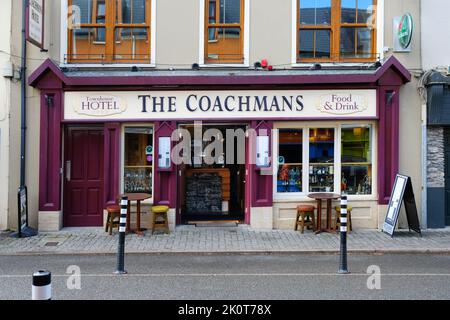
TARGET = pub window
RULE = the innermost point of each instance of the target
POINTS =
(109, 31)
(321, 160)
(138, 160)
(356, 159)
(290, 160)
(224, 31)
(336, 30)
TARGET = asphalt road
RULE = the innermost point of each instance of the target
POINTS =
(231, 277)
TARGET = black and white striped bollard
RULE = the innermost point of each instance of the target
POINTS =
(343, 269)
(42, 285)
(122, 230)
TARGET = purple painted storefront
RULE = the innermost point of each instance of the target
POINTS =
(53, 83)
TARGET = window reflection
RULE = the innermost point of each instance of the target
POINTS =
(321, 160)
(315, 12)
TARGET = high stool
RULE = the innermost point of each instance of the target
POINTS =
(113, 218)
(160, 220)
(305, 217)
(338, 218)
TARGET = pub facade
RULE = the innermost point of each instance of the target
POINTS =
(311, 102)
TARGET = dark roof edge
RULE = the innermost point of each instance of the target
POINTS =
(50, 66)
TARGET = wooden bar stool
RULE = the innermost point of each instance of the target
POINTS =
(160, 220)
(112, 220)
(305, 217)
(338, 218)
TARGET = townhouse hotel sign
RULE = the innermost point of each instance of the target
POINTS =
(213, 105)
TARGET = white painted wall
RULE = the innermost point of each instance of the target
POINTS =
(435, 28)
(5, 46)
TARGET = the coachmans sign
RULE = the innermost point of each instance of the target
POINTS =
(157, 105)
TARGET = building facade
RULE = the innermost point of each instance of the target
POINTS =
(326, 100)
(436, 92)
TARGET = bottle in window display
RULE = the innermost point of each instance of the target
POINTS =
(284, 177)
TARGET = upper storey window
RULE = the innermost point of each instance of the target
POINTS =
(336, 30)
(109, 31)
(224, 31)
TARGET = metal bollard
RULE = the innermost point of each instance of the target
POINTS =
(42, 286)
(343, 269)
(122, 230)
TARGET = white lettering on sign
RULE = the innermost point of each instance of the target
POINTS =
(206, 105)
(36, 22)
(343, 103)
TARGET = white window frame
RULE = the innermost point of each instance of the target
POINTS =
(122, 156)
(201, 47)
(64, 46)
(337, 126)
(380, 38)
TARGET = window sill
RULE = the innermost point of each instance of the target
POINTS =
(331, 64)
(303, 197)
(224, 65)
(106, 65)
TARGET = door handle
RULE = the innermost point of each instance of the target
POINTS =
(68, 170)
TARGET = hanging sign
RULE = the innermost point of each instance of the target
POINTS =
(402, 193)
(403, 33)
(35, 22)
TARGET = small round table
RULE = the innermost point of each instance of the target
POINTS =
(138, 197)
(328, 197)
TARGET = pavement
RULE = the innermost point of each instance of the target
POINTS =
(230, 277)
(225, 240)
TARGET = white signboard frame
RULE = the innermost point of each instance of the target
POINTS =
(217, 105)
(35, 22)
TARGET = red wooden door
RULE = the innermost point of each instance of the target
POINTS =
(83, 177)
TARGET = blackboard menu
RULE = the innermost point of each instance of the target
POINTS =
(204, 193)
(402, 192)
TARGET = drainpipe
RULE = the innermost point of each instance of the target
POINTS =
(424, 167)
(23, 106)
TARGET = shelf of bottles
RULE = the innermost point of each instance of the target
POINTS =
(321, 178)
(289, 178)
(290, 168)
(321, 160)
(138, 169)
(356, 159)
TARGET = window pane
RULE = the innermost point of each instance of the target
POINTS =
(315, 43)
(88, 44)
(230, 11)
(306, 43)
(138, 160)
(321, 160)
(363, 39)
(224, 45)
(290, 159)
(132, 45)
(323, 43)
(356, 146)
(365, 11)
(131, 11)
(315, 12)
(348, 11)
(85, 8)
(348, 38)
(212, 12)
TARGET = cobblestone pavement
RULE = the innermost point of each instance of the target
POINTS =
(242, 239)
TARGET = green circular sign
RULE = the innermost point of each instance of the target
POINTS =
(405, 30)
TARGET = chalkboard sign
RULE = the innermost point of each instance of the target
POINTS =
(402, 193)
(23, 230)
(204, 194)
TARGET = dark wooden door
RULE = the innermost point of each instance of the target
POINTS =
(447, 176)
(83, 177)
